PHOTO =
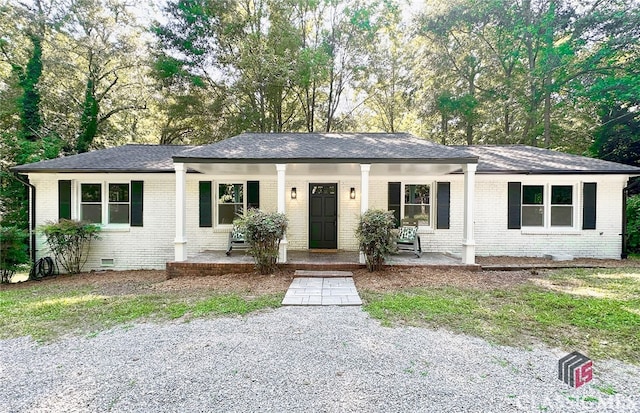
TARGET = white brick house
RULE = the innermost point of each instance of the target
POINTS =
(163, 203)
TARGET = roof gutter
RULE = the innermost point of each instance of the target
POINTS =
(625, 195)
(466, 160)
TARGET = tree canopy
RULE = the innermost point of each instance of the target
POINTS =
(78, 75)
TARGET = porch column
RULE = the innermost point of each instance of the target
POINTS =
(282, 193)
(364, 195)
(469, 242)
(180, 242)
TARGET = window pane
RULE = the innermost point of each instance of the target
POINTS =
(118, 192)
(228, 212)
(91, 213)
(416, 194)
(419, 212)
(561, 216)
(118, 213)
(230, 193)
(532, 195)
(323, 189)
(532, 216)
(561, 195)
(91, 192)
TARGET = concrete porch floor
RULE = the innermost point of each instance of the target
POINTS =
(297, 258)
(217, 262)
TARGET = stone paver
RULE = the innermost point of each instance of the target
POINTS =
(322, 291)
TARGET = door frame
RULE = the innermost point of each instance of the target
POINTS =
(337, 203)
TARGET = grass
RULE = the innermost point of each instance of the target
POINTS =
(46, 313)
(593, 311)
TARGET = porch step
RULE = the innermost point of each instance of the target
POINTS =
(323, 274)
(311, 291)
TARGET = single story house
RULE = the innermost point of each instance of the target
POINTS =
(164, 203)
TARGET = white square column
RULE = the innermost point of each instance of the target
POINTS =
(364, 196)
(180, 242)
(468, 241)
(282, 193)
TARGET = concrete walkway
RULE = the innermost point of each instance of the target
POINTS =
(322, 288)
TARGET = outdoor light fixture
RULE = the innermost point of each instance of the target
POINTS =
(294, 193)
(352, 193)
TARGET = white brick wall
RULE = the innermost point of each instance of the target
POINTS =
(151, 246)
(493, 237)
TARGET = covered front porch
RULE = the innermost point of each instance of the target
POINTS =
(217, 262)
(322, 183)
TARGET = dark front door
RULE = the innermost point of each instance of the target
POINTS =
(323, 216)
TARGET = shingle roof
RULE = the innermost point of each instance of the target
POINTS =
(365, 147)
(325, 147)
(528, 159)
(126, 158)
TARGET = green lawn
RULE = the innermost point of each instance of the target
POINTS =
(46, 312)
(593, 311)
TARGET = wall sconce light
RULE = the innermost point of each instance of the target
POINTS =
(294, 193)
(352, 193)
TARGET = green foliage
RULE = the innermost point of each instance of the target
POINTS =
(13, 252)
(376, 237)
(69, 242)
(30, 117)
(618, 138)
(89, 119)
(633, 224)
(264, 231)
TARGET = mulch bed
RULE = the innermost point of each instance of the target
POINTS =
(250, 284)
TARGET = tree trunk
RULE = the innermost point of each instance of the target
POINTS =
(547, 113)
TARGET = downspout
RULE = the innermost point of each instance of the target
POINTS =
(32, 216)
(625, 195)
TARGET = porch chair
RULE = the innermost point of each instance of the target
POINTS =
(236, 237)
(408, 238)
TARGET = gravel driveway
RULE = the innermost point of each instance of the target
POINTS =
(298, 359)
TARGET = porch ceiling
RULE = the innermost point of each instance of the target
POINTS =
(326, 169)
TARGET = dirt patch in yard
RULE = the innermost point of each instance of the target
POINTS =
(396, 279)
(544, 262)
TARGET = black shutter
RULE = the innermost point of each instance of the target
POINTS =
(206, 210)
(443, 202)
(137, 204)
(394, 200)
(253, 194)
(589, 192)
(64, 199)
(515, 205)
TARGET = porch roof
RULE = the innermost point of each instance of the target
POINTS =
(325, 148)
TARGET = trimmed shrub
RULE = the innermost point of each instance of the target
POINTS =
(264, 231)
(376, 237)
(633, 224)
(69, 242)
(13, 252)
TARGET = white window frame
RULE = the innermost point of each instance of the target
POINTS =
(431, 201)
(546, 206)
(104, 202)
(217, 200)
(101, 202)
